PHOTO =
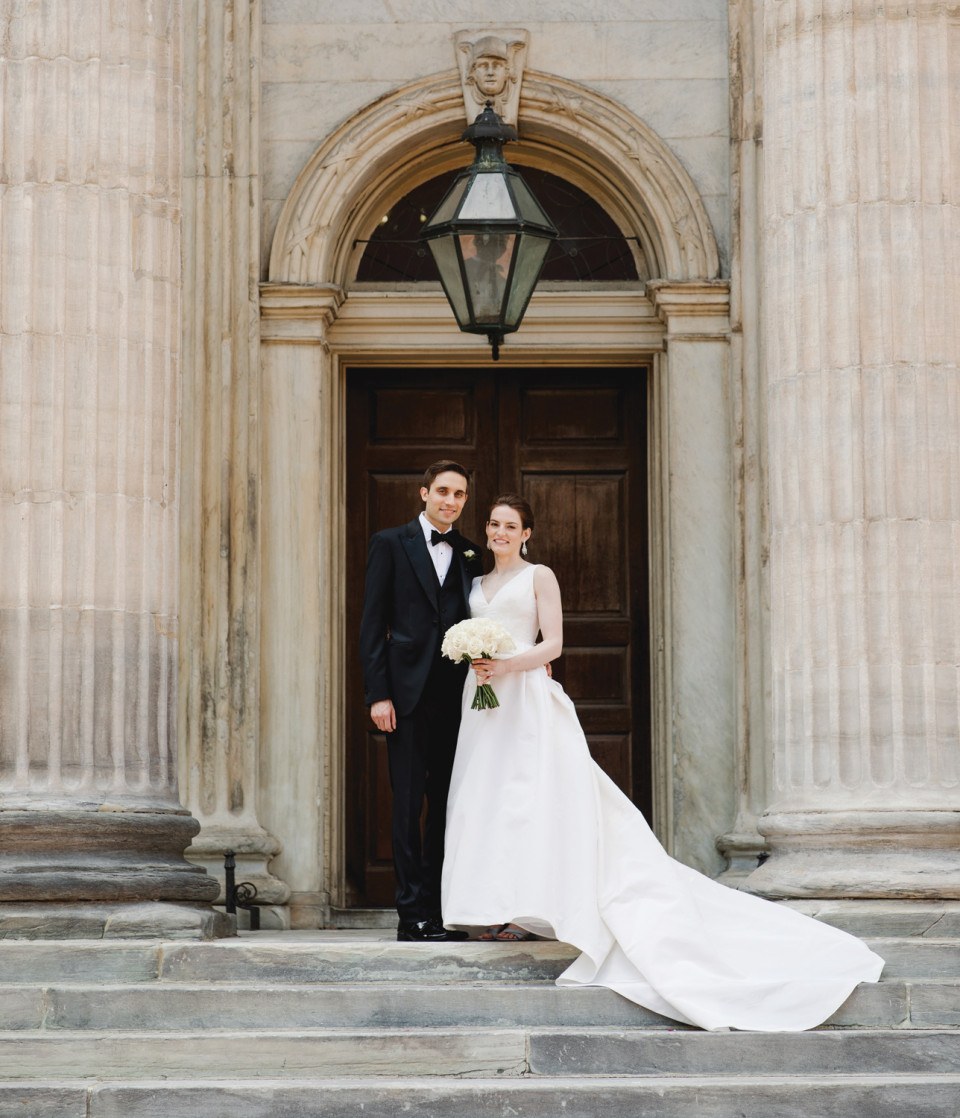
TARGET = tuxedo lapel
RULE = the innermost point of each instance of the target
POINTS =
(464, 575)
(416, 548)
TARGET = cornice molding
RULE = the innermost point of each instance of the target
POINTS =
(598, 323)
(694, 309)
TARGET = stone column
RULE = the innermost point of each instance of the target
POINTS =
(861, 333)
(220, 662)
(91, 830)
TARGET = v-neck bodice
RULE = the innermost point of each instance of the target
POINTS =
(514, 605)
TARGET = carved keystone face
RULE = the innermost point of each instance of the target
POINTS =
(490, 75)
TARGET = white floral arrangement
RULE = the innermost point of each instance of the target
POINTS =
(477, 639)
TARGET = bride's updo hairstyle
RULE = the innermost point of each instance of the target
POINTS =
(518, 504)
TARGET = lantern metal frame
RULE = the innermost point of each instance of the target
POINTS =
(491, 217)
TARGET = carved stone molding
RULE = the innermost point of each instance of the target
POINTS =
(413, 134)
(491, 69)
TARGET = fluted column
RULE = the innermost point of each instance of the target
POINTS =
(90, 825)
(862, 336)
(220, 665)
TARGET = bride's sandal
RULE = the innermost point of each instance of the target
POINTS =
(493, 932)
(510, 933)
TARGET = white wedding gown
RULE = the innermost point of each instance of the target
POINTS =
(538, 835)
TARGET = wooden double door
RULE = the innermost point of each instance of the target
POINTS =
(573, 442)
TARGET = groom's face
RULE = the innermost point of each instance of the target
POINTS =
(444, 500)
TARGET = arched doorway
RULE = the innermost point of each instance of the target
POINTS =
(323, 333)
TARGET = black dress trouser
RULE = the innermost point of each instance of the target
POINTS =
(421, 752)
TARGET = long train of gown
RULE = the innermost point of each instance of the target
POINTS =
(538, 835)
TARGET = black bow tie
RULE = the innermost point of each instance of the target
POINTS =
(441, 537)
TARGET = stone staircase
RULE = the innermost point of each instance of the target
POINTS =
(284, 1025)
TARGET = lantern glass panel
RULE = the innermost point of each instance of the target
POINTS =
(530, 256)
(486, 263)
(448, 206)
(448, 265)
(487, 200)
(527, 206)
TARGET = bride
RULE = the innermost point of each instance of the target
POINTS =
(541, 842)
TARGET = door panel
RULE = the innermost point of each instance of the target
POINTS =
(575, 524)
(573, 442)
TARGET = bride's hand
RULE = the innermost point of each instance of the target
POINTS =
(487, 669)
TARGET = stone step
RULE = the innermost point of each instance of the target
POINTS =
(172, 1006)
(382, 960)
(873, 919)
(350, 919)
(338, 956)
(284, 957)
(181, 1005)
(774, 1096)
(32, 961)
(860, 918)
(469, 1052)
(918, 958)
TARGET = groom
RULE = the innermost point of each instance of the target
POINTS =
(417, 586)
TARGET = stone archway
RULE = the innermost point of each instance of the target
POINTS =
(413, 134)
(312, 326)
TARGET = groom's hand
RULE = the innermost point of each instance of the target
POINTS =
(384, 716)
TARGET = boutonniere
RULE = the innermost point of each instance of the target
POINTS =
(470, 554)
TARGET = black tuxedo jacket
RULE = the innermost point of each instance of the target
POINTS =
(401, 628)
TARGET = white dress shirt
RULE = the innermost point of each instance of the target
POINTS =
(441, 554)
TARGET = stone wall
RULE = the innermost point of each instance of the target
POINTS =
(666, 60)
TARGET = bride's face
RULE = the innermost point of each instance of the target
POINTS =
(505, 531)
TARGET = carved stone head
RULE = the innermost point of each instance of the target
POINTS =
(491, 69)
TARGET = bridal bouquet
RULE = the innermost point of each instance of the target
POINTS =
(477, 639)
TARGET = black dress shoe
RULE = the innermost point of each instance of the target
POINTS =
(452, 936)
(426, 931)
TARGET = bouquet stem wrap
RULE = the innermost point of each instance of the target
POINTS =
(485, 698)
(477, 639)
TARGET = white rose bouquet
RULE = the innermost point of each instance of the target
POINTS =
(477, 639)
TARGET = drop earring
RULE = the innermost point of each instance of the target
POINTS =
(523, 549)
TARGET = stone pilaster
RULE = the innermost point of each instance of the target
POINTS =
(742, 844)
(303, 588)
(220, 661)
(90, 825)
(861, 337)
(692, 571)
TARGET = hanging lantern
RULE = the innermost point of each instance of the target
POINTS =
(489, 237)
